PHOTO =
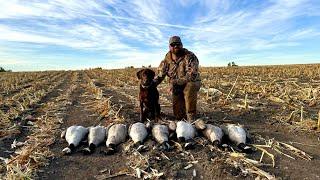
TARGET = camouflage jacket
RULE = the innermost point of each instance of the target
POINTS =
(181, 71)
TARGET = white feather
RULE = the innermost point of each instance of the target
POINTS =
(75, 134)
(117, 134)
(160, 133)
(235, 133)
(96, 135)
(66, 150)
(185, 130)
(138, 132)
(213, 133)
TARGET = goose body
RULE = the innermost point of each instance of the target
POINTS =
(185, 131)
(74, 135)
(95, 137)
(117, 134)
(237, 135)
(213, 133)
(138, 132)
(160, 133)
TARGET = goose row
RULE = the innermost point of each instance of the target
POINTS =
(185, 132)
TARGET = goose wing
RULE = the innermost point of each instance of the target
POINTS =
(236, 133)
(160, 133)
(96, 135)
(138, 132)
(75, 134)
(185, 130)
(213, 133)
(116, 134)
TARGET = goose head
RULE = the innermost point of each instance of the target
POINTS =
(199, 124)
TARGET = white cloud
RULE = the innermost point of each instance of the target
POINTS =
(149, 9)
(248, 23)
(137, 31)
(10, 61)
(303, 34)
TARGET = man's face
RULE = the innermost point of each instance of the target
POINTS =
(175, 48)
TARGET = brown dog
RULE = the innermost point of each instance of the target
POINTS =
(148, 95)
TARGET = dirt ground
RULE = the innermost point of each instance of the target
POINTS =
(208, 165)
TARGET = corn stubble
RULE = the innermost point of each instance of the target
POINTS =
(290, 93)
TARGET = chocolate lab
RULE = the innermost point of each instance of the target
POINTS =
(148, 95)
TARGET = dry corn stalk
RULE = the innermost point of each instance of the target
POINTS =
(319, 120)
(297, 152)
(246, 105)
(276, 99)
(261, 172)
(232, 87)
(265, 152)
(281, 146)
(301, 114)
(248, 165)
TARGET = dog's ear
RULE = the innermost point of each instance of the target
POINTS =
(151, 73)
(139, 73)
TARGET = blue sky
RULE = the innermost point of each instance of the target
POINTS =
(70, 34)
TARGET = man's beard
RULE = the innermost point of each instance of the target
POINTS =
(176, 51)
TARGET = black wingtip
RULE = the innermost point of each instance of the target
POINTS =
(165, 146)
(86, 151)
(108, 151)
(189, 144)
(89, 150)
(245, 148)
(181, 139)
(216, 143)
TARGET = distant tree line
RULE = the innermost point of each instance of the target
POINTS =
(232, 64)
(3, 70)
(148, 66)
(132, 67)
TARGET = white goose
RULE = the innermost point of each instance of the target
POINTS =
(95, 137)
(117, 134)
(185, 133)
(161, 135)
(237, 135)
(74, 135)
(213, 133)
(138, 132)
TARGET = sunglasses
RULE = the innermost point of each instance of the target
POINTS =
(175, 44)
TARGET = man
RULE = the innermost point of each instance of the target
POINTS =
(182, 68)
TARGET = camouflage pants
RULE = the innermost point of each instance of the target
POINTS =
(184, 100)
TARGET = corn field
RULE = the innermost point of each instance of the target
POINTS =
(278, 105)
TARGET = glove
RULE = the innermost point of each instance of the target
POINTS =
(178, 82)
(155, 82)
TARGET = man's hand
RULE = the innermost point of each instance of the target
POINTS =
(155, 82)
(177, 82)
(173, 81)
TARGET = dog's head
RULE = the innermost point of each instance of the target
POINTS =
(146, 76)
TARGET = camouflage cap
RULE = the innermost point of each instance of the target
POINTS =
(175, 39)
